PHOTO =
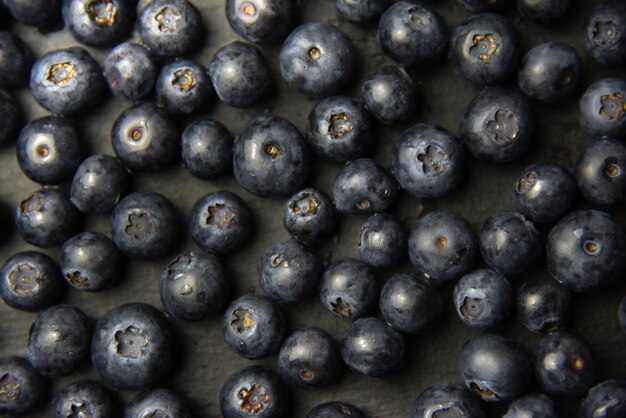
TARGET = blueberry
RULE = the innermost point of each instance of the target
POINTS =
(544, 11)
(49, 150)
(34, 12)
(270, 158)
(309, 358)
(543, 306)
(550, 72)
(603, 108)
(254, 326)
(495, 368)
(15, 61)
(67, 81)
(133, 346)
(220, 222)
(390, 95)
(428, 161)
(309, 215)
(443, 245)
(240, 74)
(144, 224)
(498, 126)
(157, 403)
(85, 397)
(23, 390)
(363, 187)
(335, 409)
(605, 400)
(98, 184)
(12, 119)
(340, 129)
(605, 37)
(30, 281)
(544, 192)
(207, 149)
(622, 314)
(564, 365)
(585, 250)
(349, 289)
(446, 399)
(90, 261)
(600, 171)
(254, 391)
(361, 12)
(382, 241)
(100, 23)
(261, 21)
(317, 59)
(194, 285)
(130, 71)
(536, 405)
(485, 49)
(412, 35)
(183, 87)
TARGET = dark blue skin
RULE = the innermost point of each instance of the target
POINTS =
(317, 59)
(207, 149)
(340, 129)
(410, 303)
(12, 119)
(309, 215)
(261, 21)
(622, 314)
(34, 12)
(270, 158)
(361, 12)
(412, 35)
(67, 81)
(498, 126)
(289, 272)
(46, 218)
(390, 95)
(544, 11)
(605, 33)
(543, 305)
(183, 87)
(156, 403)
(49, 150)
(485, 49)
(193, 286)
(133, 346)
(363, 187)
(254, 391)
(564, 365)
(84, 396)
(605, 400)
(544, 192)
(602, 109)
(372, 348)
(254, 326)
(482, 6)
(446, 399)
(600, 171)
(550, 72)
(383, 240)
(220, 222)
(24, 390)
(495, 368)
(130, 71)
(98, 184)
(58, 342)
(144, 225)
(240, 74)
(145, 138)
(30, 281)
(536, 405)
(428, 161)
(90, 261)
(585, 251)
(15, 61)
(100, 23)
(510, 243)
(309, 358)
(483, 298)
(335, 409)
(348, 289)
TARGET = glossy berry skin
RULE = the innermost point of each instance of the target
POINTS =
(622, 314)
(372, 348)
(193, 286)
(49, 150)
(606, 399)
(183, 87)
(584, 250)
(550, 72)
(485, 49)
(30, 281)
(98, 184)
(412, 35)
(86, 396)
(605, 36)
(335, 409)
(254, 326)
(390, 95)
(602, 109)
(261, 21)
(317, 59)
(600, 171)
(536, 405)
(309, 358)
(254, 391)
(34, 12)
(363, 187)
(309, 215)
(207, 149)
(564, 365)
(543, 306)
(383, 240)
(544, 192)
(170, 28)
(270, 158)
(24, 390)
(90, 261)
(101, 23)
(361, 12)
(157, 402)
(130, 71)
(58, 342)
(15, 61)
(67, 81)
(240, 74)
(348, 289)
(12, 119)
(133, 346)
(340, 129)
(483, 298)
(482, 6)
(144, 225)
(220, 222)
(428, 161)
(544, 11)
(446, 398)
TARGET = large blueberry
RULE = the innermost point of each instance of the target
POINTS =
(23, 389)
(390, 95)
(603, 108)
(207, 149)
(600, 171)
(86, 397)
(156, 403)
(606, 400)
(100, 23)
(90, 261)
(349, 289)
(605, 32)
(262, 21)
(98, 184)
(382, 241)
(254, 391)
(309, 215)
(543, 305)
(183, 87)
(446, 399)
(536, 405)
(130, 71)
